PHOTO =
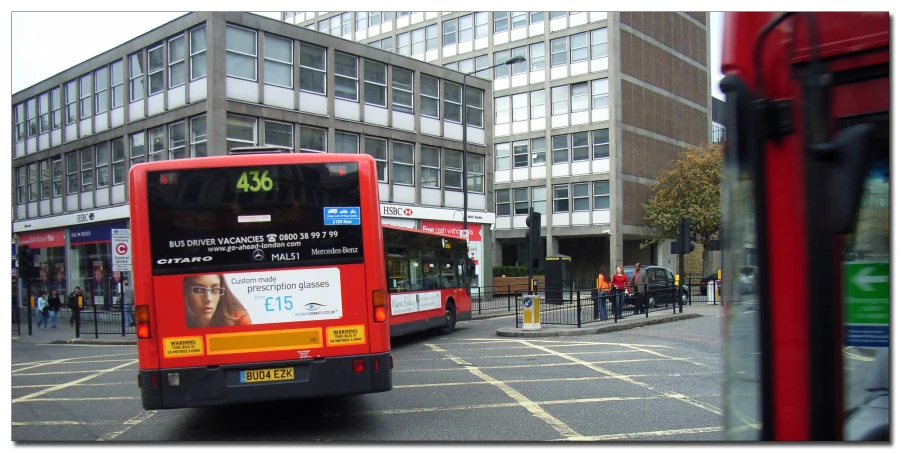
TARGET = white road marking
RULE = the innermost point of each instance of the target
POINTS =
(668, 432)
(70, 384)
(65, 423)
(129, 424)
(69, 360)
(101, 384)
(104, 398)
(537, 365)
(591, 378)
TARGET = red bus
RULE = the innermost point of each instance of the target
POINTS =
(258, 277)
(806, 211)
(425, 280)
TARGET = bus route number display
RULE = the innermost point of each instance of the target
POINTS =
(254, 181)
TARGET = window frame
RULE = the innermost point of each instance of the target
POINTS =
(503, 159)
(199, 140)
(423, 97)
(538, 154)
(73, 180)
(600, 93)
(43, 105)
(578, 197)
(474, 112)
(179, 64)
(465, 24)
(560, 55)
(321, 74)
(502, 70)
(156, 141)
(524, 16)
(428, 168)
(267, 132)
(537, 107)
(501, 21)
(117, 162)
(45, 190)
(34, 192)
(341, 142)
(241, 54)
(521, 112)
(87, 169)
(599, 194)
(581, 101)
(400, 91)
(475, 172)
(57, 175)
(561, 199)
(137, 153)
(155, 73)
(534, 59)
(521, 200)
(376, 85)
(502, 205)
(232, 119)
(101, 95)
(85, 100)
(480, 22)
(599, 143)
(102, 165)
(449, 32)
(538, 202)
(448, 85)
(584, 151)
(431, 37)
(521, 154)
(323, 133)
(600, 44)
(198, 55)
(404, 44)
(380, 155)
(117, 85)
(583, 47)
(453, 166)
(135, 94)
(401, 168)
(561, 92)
(272, 61)
(355, 78)
(557, 152)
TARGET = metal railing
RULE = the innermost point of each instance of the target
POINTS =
(705, 292)
(580, 307)
(96, 321)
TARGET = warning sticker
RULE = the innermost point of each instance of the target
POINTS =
(346, 335)
(182, 347)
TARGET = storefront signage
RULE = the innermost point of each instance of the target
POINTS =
(95, 233)
(57, 221)
(418, 212)
(42, 239)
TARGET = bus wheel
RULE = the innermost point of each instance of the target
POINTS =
(450, 319)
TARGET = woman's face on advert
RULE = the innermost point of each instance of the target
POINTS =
(203, 296)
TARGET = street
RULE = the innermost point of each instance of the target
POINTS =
(654, 383)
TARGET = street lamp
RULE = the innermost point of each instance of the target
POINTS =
(514, 60)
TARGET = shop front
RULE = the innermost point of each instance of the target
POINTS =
(49, 257)
(90, 262)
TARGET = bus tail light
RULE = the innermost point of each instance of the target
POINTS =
(142, 321)
(375, 364)
(379, 305)
(359, 366)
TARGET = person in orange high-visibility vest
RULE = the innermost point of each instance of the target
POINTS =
(603, 286)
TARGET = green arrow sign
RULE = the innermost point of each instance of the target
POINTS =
(866, 293)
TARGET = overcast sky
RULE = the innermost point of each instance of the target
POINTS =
(47, 43)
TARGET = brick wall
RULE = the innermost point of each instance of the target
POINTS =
(672, 30)
(634, 194)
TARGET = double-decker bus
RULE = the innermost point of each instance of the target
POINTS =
(258, 277)
(425, 284)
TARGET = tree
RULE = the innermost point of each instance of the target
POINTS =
(690, 188)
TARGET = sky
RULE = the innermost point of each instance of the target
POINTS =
(36, 55)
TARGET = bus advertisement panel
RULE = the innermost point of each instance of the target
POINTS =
(425, 280)
(258, 269)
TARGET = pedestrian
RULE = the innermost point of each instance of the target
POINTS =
(128, 301)
(620, 284)
(55, 306)
(603, 286)
(640, 288)
(42, 310)
(73, 304)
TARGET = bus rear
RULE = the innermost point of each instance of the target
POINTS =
(258, 277)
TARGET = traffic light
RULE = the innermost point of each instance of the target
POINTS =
(26, 261)
(533, 221)
(685, 243)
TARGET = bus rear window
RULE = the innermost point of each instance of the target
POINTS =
(260, 217)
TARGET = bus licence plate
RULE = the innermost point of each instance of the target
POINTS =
(267, 375)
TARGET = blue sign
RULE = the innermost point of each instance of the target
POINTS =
(99, 232)
(867, 336)
(341, 216)
(527, 302)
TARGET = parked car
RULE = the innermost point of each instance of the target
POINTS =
(659, 278)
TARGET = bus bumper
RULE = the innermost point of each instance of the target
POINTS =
(214, 386)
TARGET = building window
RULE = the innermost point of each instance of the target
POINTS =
(538, 104)
(561, 148)
(102, 159)
(452, 101)
(101, 96)
(375, 83)
(346, 23)
(520, 68)
(335, 25)
(117, 85)
(86, 90)
(157, 150)
(521, 154)
(32, 114)
(87, 170)
(71, 102)
(44, 113)
(312, 68)
(278, 59)
(345, 76)
(561, 198)
(580, 197)
(177, 61)
(501, 21)
(45, 179)
(56, 165)
(312, 139)
(378, 149)
(323, 26)
(465, 28)
(502, 202)
(482, 62)
(137, 148)
(518, 20)
(280, 135)
(418, 41)
(536, 18)
(599, 94)
(402, 168)
(580, 146)
(240, 131)
(558, 52)
(136, 77)
(346, 143)
(177, 149)
(55, 114)
(198, 136)
(536, 54)
(401, 90)
(502, 156)
(580, 96)
(481, 25)
(361, 20)
(430, 167)
(539, 199)
(599, 43)
(503, 70)
(20, 122)
(502, 110)
(465, 66)
(539, 151)
(240, 53)
(602, 195)
(431, 37)
(72, 184)
(198, 53)
(475, 172)
(558, 14)
(450, 32)
(521, 201)
(453, 169)
(403, 44)
(428, 96)
(33, 182)
(118, 150)
(560, 99)
(22, 185)
(377, 44)
(155, 69)
(388, 43)
(474, 106)
(520, 107)
(600, 143)
(579, 46)
(375, 18)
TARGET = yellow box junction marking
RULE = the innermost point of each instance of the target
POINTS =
(346, 335)
(182, 347)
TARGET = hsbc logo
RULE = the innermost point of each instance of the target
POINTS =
(397, 211)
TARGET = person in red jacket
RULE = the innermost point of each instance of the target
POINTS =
(620, 285)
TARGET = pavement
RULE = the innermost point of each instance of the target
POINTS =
(65, 334)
